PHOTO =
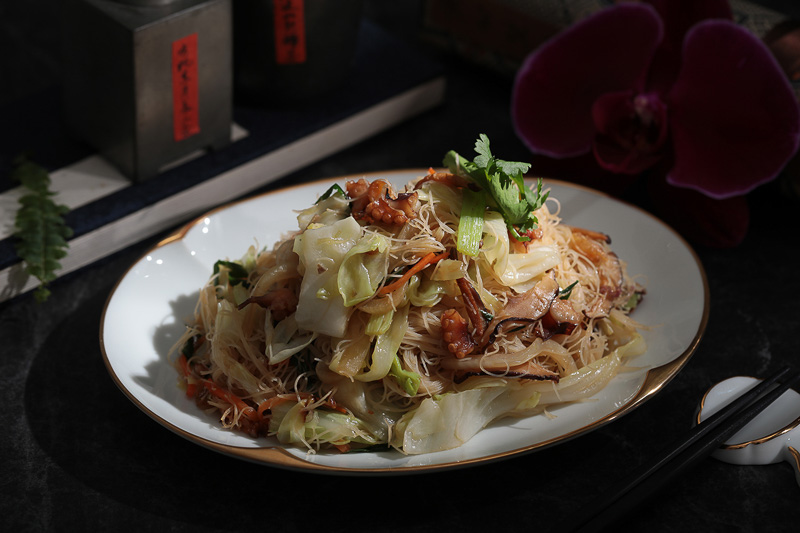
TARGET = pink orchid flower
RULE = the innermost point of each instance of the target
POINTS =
(667, 84)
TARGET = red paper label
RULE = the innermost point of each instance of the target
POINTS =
(185, 115)
(290, 32)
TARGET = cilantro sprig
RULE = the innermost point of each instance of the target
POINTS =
(39, 226)
(237, 273)
(503, 183)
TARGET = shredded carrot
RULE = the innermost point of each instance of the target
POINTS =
(184, 365)
(231, 398)
(331, 403)
(429, 259)
(269, 404)
(191, 387)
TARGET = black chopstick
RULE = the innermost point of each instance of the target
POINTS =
(684, 452)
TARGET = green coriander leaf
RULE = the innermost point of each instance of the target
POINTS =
(514, 169)
(503, 182)
(457, 164)
(484, 158)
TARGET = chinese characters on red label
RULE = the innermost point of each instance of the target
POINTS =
(290, 32)
(185, 115)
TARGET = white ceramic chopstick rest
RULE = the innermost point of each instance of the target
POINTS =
(771, 437)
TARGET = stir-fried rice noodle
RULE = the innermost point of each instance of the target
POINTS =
(308, 347)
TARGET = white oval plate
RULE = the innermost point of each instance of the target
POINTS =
(146, 312)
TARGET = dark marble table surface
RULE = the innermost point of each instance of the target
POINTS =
(77, 455)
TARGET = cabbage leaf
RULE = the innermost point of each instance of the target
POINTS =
(325, 212)
(321, 250)
(520, 271)
(293, 424)
(386, 347)
(282, 340)
(450, 420)
(363, 268)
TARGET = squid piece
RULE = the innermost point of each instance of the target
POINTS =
(377, 203)
(456, 334)
(479, 315)
(446, 178)
(616, 290)
(609, 269)
(592, 234)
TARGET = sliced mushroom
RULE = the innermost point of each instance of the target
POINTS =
(538, 307)
(477, 366)
(535, 302)
(523, 309)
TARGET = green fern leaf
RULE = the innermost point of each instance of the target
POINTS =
(42, 235)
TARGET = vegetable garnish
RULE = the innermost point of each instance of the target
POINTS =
(470, 227)
(191, 385)
(237, 273)
(429, 259)
(410, 381)
(333, 189)
(504, 185)
(40, 229)
(231, 398)
(564, 294)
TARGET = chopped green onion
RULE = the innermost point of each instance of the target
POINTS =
(410, 381)
(470, 227)
(564, 294)
(333, 189)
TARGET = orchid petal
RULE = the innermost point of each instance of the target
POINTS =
(678, 17)
(735, 121)
(558, 83)
(702, 220)
(631, 131)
